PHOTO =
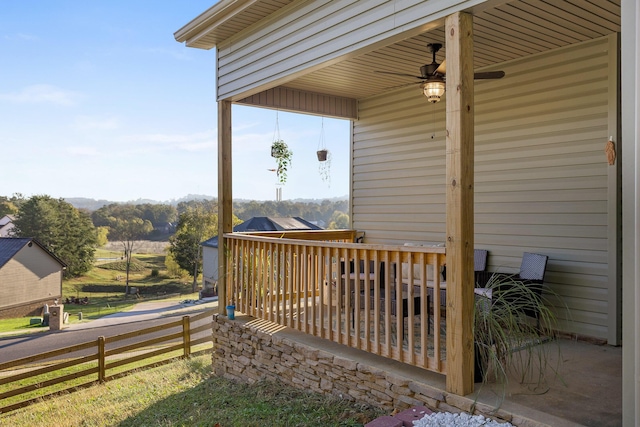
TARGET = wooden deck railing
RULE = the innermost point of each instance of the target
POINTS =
(65, 369)
(381, 299)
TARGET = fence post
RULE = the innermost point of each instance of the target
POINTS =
(101, 361)
(186, 336)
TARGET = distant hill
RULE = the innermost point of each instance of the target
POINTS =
(93, 204)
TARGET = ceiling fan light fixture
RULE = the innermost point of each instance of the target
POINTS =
(433, 90)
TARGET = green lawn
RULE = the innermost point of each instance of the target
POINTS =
(185, 393)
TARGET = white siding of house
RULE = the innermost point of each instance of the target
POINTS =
(308, 35)
(542, 182)
(209, 265)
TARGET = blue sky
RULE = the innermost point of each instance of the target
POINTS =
(98, 100)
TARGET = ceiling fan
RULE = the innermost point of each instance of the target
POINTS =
(432, 76)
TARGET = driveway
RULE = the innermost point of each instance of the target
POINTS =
(147, 311)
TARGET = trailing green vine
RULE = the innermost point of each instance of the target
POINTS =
(283, 155)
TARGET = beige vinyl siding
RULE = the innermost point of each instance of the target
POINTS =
(31, 275)
(286, 99)
(306, 36)
(541, 176)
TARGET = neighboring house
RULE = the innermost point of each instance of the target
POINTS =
(259, 223)
(30, 277)
(541, 181)
(6, 225)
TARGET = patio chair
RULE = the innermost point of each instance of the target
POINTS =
(481, 274)
(532, 271)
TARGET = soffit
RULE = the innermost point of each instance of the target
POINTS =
(224, 19)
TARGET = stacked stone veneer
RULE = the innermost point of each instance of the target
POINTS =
(249, 350)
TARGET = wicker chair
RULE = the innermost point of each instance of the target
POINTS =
(480, 273)
(532, 271)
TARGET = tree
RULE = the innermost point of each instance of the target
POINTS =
(101, 236)
(339, 221)
(194, 226)
(62, 229)
(129, 232)
(7, 206)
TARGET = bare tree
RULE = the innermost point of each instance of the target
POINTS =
(129, 232)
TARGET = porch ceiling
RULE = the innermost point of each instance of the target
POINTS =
(512, 30)
(507, 31)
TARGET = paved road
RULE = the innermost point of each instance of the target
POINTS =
(142, 315)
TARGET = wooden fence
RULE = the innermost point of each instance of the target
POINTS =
(96, 361)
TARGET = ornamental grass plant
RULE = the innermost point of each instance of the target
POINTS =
(509, 340)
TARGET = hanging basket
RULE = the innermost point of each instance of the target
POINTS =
(322, 155)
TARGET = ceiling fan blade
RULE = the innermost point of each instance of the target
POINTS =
(442, 68)
(399, 74)
(485, 75)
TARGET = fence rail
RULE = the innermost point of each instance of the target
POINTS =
(100, 362)
(382, 299)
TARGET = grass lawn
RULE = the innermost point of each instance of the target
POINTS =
(185, 393)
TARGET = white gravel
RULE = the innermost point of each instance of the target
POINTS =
(439, 419)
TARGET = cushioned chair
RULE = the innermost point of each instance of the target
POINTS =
(532, 271)
(481, 274)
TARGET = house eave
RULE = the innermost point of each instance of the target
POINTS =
(193, 32)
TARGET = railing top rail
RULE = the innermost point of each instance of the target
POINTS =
(348, 245)
(305, 234)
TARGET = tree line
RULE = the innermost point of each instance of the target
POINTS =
(73, 234)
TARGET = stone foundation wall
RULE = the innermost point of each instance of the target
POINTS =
(249, 350)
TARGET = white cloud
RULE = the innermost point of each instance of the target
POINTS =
(200, 141)
(83, 151)
(42, 94)
(180, 54)
(21, 36)
(96, 123)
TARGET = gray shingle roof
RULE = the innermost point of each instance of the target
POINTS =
(264, 223)
(9, 246)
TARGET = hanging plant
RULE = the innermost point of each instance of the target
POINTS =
(322, 154)
(281, 152)
(324, 157)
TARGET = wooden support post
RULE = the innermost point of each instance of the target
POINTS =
(225, 208)
(101, 360)
(186, 336)
(459, 161)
